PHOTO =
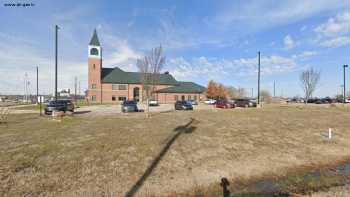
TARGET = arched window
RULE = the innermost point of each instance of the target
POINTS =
(93, 51)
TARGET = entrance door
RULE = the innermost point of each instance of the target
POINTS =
(183, 97)
(136, 94)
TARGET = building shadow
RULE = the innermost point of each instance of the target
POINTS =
(82, 112)
(187, 128)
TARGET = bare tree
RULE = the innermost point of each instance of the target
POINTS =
(265, 96)
(236, 93)
(150, 67)
(309, 80)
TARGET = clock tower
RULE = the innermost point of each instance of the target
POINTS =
(94, 69)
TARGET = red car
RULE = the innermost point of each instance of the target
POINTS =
(224, 104)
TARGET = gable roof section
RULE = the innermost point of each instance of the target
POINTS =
(184, 87)
(116, 75)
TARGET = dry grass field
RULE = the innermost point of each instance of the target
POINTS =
(120, 154)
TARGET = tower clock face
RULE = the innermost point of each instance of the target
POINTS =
(93, 51)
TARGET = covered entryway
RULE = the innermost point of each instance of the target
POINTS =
(136, 94)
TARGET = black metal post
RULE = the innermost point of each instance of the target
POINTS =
(225, 184)
(344, 93)
(258, 77)
(56, 31)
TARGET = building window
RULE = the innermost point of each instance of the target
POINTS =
(114, 86)
(118, 87)
(93, 86)
(114, 98)
(93, 98)
(176, 97)
(189, 97)
(93, 51)
(94, 66)
(122, 87)
(195, 97)
(122, 98)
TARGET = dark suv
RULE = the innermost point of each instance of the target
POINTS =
(129, 106)
(59, 105)
(245, 103)
(183, 105)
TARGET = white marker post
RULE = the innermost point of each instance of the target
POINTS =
(330, 133)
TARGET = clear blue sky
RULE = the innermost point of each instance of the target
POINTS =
(203, 40)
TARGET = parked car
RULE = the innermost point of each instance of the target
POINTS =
(224, 104)
(312, 100)
(210, 102)
(193, 102)
(245, 103)
(59, 105)
(183, 105)
(295, 100)
(129, 106)
(327, 100)
(153, 103)
(340, 100)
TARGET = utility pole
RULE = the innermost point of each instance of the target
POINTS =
(75, 89)
(56, 31)
(79, 88)
(274, 88)
(25, 88)
(258, 77)
(38, 99)
(37, 84)
(344, 95)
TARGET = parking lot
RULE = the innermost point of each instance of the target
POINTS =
(116, 109)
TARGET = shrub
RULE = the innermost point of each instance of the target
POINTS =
(4, 113)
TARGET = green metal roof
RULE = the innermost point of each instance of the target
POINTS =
(94, 40)
(184, 87)
(116, 75)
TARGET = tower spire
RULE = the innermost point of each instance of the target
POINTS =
(94, 40)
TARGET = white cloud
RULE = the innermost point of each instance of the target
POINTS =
(338, 25)
(218, 69)
(288, 42)
(335, 32)
(336, 42)
(19, 57)
(262, 14)
(304, 55)
(123, 55)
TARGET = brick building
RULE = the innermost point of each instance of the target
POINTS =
(114, 85)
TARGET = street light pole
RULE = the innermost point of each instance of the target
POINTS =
(38, 99)
(37, 85)
(258, 77)
(56, 31)
(344, 93)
